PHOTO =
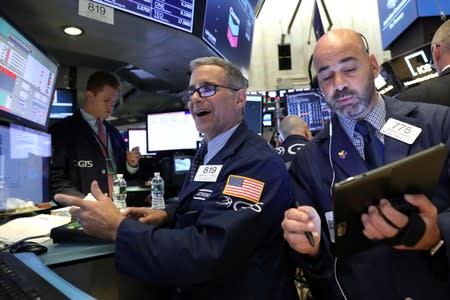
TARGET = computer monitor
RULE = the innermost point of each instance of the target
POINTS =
(268, 119)
(137, 137)
(27, 79)
(228, 29)
(310, 105)
(63, 104)
(253, 113)
(181, 163)
(170, 131)
(24, 167)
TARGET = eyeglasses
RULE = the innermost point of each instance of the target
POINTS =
(204, 91)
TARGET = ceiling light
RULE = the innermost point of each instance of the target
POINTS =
(73, 30)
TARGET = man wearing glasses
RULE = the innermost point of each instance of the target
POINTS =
(436, 90)
(224, 238)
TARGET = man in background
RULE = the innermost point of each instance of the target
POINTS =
(294, 133)
(398, 265)
(86, 147)
(223, 240)
(436, 90)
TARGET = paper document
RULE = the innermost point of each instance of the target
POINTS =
(20, 228)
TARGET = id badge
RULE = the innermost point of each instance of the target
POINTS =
(110, 169)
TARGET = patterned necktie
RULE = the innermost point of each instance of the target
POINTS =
(197, 161)
(101, 132)
(373, 148)
(102, 137)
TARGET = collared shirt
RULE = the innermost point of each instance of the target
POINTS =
(376, 117)
(217, 143)
(92, 121)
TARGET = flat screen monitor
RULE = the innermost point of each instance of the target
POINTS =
(414, 66)
(228, 29)
(181, 163)
(171, 131)
(137, 137)
(63, 104)
(27, 79)
(24, 167)
(174, 13)
(268, 119)
(310, 105)
(253, 113)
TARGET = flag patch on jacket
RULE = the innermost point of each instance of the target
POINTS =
(244, 187)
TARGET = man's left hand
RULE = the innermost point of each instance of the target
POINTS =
(377, 227)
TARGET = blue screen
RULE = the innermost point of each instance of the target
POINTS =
(24, 166)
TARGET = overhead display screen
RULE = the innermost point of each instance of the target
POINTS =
(228, 29)
(173, 13)
(395, 17)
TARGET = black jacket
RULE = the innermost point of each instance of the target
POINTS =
(436, 90)
(77, 158)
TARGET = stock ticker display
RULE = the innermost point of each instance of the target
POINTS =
(174, 13)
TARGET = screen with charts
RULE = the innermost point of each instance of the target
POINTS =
(309, 105)
(27, 79)
(228, 29)
(174, 13)
(24, 167)
(63, 104)
(137, 137)
(171, 131)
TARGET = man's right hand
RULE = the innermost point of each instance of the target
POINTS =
(296, 222)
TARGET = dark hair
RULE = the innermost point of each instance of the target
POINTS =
(99, 79)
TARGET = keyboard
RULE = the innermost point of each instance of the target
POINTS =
(18, 281)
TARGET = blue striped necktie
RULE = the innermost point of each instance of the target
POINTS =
(197, 161)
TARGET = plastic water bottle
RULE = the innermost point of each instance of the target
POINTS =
(120, 192)
(157, 192)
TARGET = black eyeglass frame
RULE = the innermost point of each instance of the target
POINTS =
(211, 90)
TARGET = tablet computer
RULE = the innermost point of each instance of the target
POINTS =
(414, 174)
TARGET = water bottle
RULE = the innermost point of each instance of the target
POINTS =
(157, 192)
(120, 192)
(3, 195)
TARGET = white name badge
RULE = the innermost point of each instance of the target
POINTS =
(207, 173)
(401, 131)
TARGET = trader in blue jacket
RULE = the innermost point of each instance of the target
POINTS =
(224, 239)
(346, 72)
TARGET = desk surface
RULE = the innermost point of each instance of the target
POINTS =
(72, 252)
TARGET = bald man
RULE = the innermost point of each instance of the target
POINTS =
(389, 269)
(294, 133)
(436, 90)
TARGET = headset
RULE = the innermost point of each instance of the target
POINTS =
(313, 81)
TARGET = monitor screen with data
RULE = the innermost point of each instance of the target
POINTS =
(137, 137)
(27, 79)
(171, 131)
(24, 167)
(309, 105)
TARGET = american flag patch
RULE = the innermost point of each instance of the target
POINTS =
(244, 187)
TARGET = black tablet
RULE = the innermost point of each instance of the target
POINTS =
(414, 174)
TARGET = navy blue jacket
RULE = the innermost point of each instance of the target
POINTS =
(77, 158)
(290, 146)
(220, 246)
(380, 272)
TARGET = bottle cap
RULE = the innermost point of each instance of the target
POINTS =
(156, 173)
(119, 175)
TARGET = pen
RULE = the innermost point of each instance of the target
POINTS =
(308, 234)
